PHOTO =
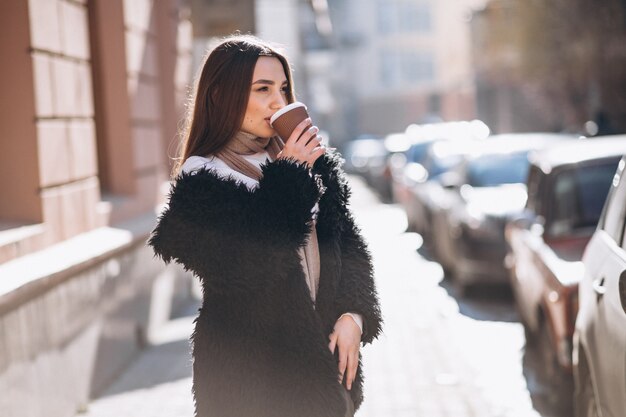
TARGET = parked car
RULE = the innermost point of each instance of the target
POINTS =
(367, 156)
(567, 187)
(444, 156)
(360, 152)
(600, 335)
(408, 170)
(472, 203)
(379, 169)
(441, 156)
(433, 149)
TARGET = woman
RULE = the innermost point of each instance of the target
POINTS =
(287, 279)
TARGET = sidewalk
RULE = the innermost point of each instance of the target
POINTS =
(158, 383)
(431, 361)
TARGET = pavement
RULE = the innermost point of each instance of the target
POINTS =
(431, 360)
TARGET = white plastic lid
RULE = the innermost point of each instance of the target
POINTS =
(285, 110)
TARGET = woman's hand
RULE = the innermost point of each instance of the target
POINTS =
(347, 337)
(303, 146)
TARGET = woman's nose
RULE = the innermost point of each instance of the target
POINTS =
(279, 102)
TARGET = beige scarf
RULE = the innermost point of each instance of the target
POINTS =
(247, 144)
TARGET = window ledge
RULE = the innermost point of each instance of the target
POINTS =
(32, 274)
(17, 239)
(13, 232)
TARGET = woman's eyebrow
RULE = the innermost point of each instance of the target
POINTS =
(268, 82)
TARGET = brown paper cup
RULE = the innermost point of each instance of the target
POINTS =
(285, 120)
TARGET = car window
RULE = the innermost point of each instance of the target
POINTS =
(615, 211)
(492, 170)
(535, 188)
(418, 152)
(441, 159)
(578, 197)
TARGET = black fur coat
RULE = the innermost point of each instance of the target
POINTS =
(260, 345)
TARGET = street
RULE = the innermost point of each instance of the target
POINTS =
(440, 354)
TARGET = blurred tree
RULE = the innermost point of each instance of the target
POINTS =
(573, 59)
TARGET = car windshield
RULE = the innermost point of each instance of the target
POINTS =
(418, 152)
(443, 156)
(579, 196)
(492, 170)
(438, 166)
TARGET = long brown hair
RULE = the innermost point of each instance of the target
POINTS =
(220, 97)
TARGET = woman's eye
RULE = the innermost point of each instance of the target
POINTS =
(262, 89)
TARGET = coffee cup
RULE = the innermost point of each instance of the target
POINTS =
(285, 120)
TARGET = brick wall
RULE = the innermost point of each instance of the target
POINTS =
(64, 118)
(93, 92)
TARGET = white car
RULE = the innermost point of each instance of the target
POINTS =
(600, 335)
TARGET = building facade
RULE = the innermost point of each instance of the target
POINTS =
(401, 62)
(92, 93)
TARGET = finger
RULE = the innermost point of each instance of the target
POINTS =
(308, 135)
(297, 132)
(321, 150)
(343, 362)
(353, 362)
(313, 143)
(333, 342)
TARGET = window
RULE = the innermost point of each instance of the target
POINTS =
(385, 16)
(418, 152)
(578, 197)
(387, 68)
(417, 67)
(406, 67)
(403, 16)
(564, 209)
(492, 170)
(423, 18)
(535, 190)
(414, 17)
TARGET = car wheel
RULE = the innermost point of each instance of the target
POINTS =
(555, 375)
(555, 385)
(584, 398)
(548, 357)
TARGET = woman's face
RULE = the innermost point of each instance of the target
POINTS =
(267, 95)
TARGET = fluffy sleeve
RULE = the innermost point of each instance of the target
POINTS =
(357, 290)
(234, 238)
